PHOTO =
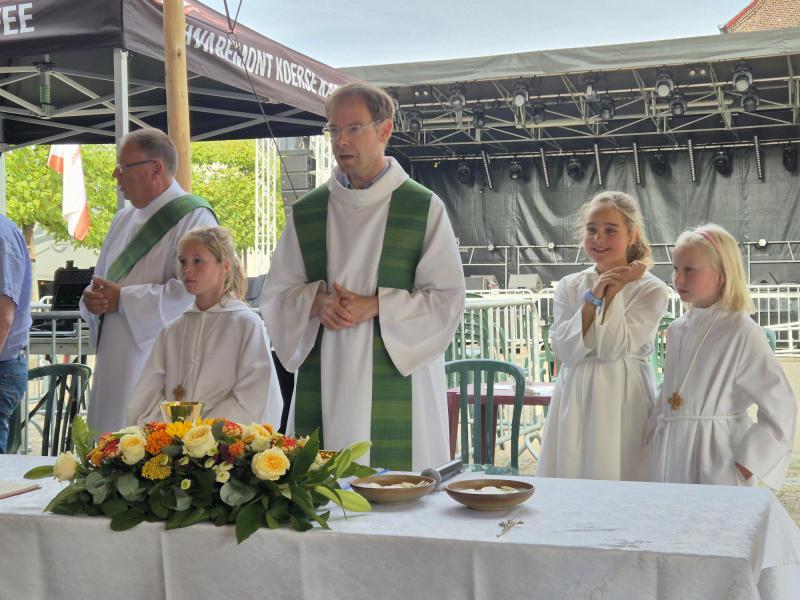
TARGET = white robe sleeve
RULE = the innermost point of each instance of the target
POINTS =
(630, 328)
(256, 390)
(149, 307)
(286, 302)
(149, 391)
(417, 327)
(766, 448)
(568, 342)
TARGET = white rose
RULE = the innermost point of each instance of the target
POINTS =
(270, 464)
(262, 437)
(65, 467)
(199, 442)
(132, 448)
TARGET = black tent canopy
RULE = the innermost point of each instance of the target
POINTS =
(71, 69)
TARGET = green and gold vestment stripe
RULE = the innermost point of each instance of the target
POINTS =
(391, 430)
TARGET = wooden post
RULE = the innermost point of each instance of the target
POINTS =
(177, 88)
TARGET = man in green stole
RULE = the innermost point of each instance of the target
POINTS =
(364, 293)
(136, 291)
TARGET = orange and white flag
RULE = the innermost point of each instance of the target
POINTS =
(65, 159)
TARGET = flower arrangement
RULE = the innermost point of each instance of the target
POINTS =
(210, 470)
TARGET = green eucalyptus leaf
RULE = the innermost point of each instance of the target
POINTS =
(114, 507)
(182, 500)
(129, 487)
(39, 472)
(236, 493)
(98, 486)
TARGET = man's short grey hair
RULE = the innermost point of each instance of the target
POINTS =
(154, 144)
(379, 104)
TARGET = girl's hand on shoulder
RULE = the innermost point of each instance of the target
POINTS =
(746, 473)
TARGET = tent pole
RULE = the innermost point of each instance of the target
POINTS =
(177, 88)
(120, 103)
(3, 182)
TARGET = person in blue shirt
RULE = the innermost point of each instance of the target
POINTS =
(15, 321)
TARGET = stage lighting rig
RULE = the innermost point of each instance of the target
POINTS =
(722, 162)
(664, 84)
(415, 122)
(742, 77)
(750, 100)
(790, 157)
(606, 110)
(479, 116)
(464, 173)
(659, 163)
(520, 97)
(486, 174)
(591, 87)
(677, 103)
(538, 112)
(574, 168)
(457, 100)
(515, 170)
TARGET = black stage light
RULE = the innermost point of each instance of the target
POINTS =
(659, 163)
(479, 117)
(574, 168)
(750, 100)
(664, 84)
(790, 158)
(742, 77)
(606, 110)
(515, 170)
(591, 88)
(538, 112)
(464, 173)
(677, 103)
(414, 122)
(520, 98)
(722, 161)
(457, 100)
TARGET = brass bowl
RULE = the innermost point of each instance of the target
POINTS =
(187, 412)
(422, 486)
(479, 501)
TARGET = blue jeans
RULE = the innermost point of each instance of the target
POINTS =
(13, 381)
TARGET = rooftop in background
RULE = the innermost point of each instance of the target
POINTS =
(762, 15)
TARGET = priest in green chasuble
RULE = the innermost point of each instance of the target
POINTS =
(136, 291)
(364, 294)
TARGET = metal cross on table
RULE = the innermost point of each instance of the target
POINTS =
(508, 524)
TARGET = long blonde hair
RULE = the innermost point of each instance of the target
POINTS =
(722, 251)
(628, 207)
(219, 242)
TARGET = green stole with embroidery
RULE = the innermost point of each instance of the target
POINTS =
(155, 228)
(391, 392)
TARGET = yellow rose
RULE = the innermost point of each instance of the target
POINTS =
(132, 448)
(199, 442)
(259, 436)
(270, 464)
(65, 467)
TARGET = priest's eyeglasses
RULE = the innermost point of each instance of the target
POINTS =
(122, 167)
(350, 130)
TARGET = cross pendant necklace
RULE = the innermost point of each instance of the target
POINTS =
(676, 400)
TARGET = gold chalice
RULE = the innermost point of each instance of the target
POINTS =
(187, 412)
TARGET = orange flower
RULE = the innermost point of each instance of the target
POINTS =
(236, 449)
(95, 456)
(289, 444)
(269, 428)
(157, 440)
(153, 426)
(232, 429)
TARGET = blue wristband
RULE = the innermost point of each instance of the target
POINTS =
(590, 297)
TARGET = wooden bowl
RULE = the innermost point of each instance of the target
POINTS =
(481, 501)
(422, 485)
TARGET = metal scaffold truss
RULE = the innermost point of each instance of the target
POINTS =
(267, 197)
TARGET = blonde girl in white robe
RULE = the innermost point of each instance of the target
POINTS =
(719, 364)
(605, 323)
(217, 352)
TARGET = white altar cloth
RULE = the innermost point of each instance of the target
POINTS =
(580, 539)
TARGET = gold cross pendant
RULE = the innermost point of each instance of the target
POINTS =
(675, 401)
(179, 392)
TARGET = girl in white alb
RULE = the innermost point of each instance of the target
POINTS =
(217, 352)
(605, 324)
(719, 363)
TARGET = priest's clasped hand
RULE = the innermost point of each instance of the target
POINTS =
(102, 297)
(342, 309)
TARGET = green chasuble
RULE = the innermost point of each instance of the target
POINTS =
(391, 392)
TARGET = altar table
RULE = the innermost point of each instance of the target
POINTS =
(580, 539)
